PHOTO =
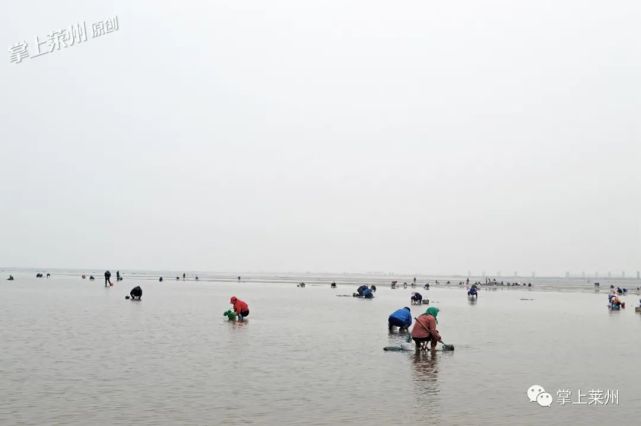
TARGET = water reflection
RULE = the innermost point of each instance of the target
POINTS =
(398, 333)
(426, 381)
(239, 324)
(425, 364)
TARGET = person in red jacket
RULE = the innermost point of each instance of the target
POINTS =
(425, 329)
(241, 308)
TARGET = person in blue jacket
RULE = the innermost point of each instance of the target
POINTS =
(473, 292)
(368, 294)
(401, 319)
(361, 289)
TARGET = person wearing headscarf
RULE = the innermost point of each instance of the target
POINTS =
(424, 329)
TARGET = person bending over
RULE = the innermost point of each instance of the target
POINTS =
(240, 308)
(368, 294)
(424, 329)
(401, 318)
(136, 293)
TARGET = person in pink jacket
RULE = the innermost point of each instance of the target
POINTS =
(424, 329)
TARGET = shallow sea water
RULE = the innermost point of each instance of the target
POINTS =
(74, 352)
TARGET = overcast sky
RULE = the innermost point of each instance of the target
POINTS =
(343, 136)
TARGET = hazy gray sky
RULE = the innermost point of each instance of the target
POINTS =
(415, 136)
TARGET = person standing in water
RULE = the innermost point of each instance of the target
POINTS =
(240, 308)
(424, 329)
(108, 282)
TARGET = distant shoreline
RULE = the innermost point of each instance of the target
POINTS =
(557, 284)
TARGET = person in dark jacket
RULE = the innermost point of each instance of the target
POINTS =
(401, 318)
(136, 293)
(473, 293)
(416, 298)
(108, 282)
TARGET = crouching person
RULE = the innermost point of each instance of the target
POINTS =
(136, 293)
(401, 318)
(424, 330)
(240, 308)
